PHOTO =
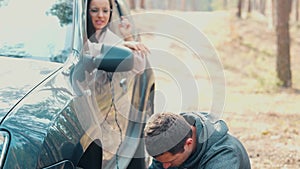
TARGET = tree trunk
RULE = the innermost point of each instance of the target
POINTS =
(255, 5)
(171, 5)
(262, 7)
(132, 4)
(142, 5)
(274, 13)
(283, 66)
(249, 6)
(240, 5)
(225, 4)
(290, 2)
(183, 5)
(194, 4)
(297, 10)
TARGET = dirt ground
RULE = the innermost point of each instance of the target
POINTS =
(263, 116)
(267, 120)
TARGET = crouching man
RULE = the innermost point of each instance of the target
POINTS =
(192, 141)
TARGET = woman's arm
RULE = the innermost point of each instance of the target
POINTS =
(126, 29)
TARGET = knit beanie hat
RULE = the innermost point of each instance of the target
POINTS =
(166, 140)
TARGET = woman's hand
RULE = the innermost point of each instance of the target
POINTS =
(137, 46)
(125, 29)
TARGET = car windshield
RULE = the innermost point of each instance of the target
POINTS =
(38, 29)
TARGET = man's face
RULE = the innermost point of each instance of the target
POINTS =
(174, 160)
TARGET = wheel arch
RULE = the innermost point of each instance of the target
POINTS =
(92, 156)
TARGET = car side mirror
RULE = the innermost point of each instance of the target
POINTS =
(114, 59)
(110, 59)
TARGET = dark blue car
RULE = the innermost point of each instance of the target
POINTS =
(59, 107)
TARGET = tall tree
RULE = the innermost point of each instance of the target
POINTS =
(132, 4)
(240, 6)
(283, 66)
(262, 7)
(63, 9)
(249, 6)
(297, 10)
(274, 13)
(255, 5)
(142, 4)
(225, 4)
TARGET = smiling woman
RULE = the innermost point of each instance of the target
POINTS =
(42, 39)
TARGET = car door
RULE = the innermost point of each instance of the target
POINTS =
(116, 102)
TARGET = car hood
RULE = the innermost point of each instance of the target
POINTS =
(18, 76)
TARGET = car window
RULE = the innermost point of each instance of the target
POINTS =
(42, 31)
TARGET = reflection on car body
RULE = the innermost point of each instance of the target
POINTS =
(76, 114)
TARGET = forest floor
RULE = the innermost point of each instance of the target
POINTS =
(265, 117)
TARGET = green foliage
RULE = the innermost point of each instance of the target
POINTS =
(63, 9)
(3, 2)
(61, 57)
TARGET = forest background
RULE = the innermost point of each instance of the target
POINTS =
(258, 42)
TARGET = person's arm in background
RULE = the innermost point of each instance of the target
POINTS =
(126, 31)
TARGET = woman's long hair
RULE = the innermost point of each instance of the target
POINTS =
(90, 27)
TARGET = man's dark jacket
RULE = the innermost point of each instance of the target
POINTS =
(216, 148)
